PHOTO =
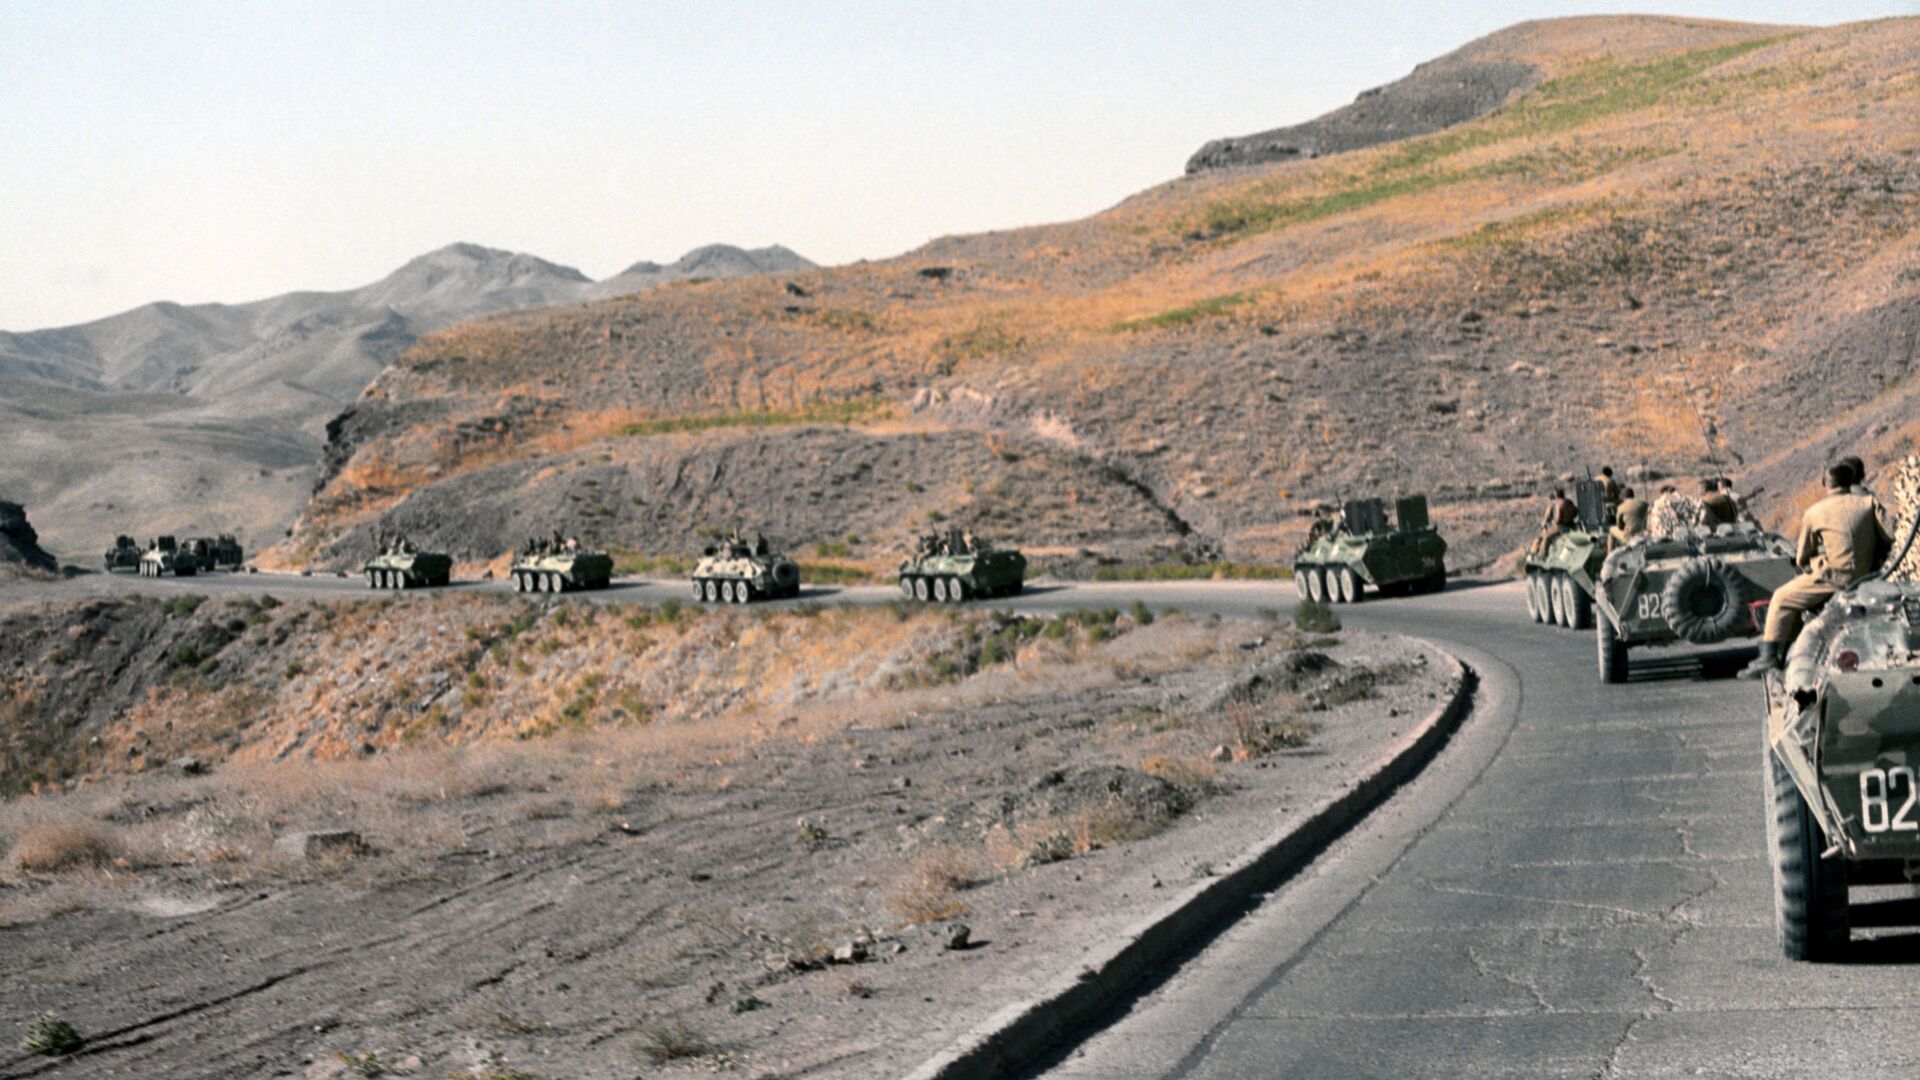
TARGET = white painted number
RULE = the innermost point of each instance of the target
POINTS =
(1878, 788)
(1650, 606)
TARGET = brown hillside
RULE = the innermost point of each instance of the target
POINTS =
(1676, 213)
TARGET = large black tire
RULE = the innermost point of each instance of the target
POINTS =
(1316, 584)
(1579, 605)
(906, 587)
(1809, 892)
(1352, 589)
(1556, 600)
(921, 590)
(1704, 601)
(1612, 651)
(1300, 583)
(957, 590)
(1533, 595)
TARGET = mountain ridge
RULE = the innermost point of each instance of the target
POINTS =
(215, 389)
(1606, 267)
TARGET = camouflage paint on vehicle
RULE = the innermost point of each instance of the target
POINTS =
(735, 572)
(561, 570)
(1563, 580)
(403, 566)
(1406, 555)
(165, 556)
(954, 567)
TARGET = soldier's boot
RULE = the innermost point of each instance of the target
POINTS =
(1768, 660)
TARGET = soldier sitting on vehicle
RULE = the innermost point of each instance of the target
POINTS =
(1629, 520)
(1610, 489)
(759, 544)
(1672, 512)
(1841, 541)
(1561, 515)
(1716, 506)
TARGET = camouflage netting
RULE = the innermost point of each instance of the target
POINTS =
(1674, 512)
(1904, 501)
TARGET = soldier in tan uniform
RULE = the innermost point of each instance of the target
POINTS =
(1841, 541)
(1561, 515)
(1629, 519)
(1610, 488)
(1719, 507)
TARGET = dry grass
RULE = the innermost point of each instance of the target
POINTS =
(929, 886)
(60, 846)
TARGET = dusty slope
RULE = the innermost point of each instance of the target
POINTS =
(211, 417)
(1677, 214)
(568, 896)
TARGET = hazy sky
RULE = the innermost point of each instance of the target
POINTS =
(229, 151)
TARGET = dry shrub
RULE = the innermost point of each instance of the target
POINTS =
(52, 847)
(928, 890)
(1186, 770)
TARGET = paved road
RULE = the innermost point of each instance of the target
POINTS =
(1575, 887)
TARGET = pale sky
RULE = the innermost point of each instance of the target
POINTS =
(229, 151)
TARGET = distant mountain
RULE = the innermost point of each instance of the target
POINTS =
(211, 417)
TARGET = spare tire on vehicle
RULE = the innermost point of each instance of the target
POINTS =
(1705, 601)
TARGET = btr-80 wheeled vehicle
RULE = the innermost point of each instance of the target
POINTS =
(165, 556)
(954, 566)
(1842, 763)
(735, 572)
(1695, 585)
(123, 555)
(211, 553)
(1564, 574)
(556, 566)
(1341, 558)
(402, 565)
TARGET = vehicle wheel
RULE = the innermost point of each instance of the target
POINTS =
(906, 587)
(1300, 582)
(921, 589)
(1579, 606)
(1533, 595)
(713, 592)
(1316, 585)
(742, 592)
(1809, 892)
(1554, 600)
(940, 590)
(699, 593)
(556, 583)
(957, 590)
(1612, 651)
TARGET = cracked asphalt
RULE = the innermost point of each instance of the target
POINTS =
(1576, 886)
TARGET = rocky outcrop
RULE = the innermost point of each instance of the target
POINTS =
(20, 544)
(1437, 95)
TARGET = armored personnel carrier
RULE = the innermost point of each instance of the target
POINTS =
(211, 553)
(401, 565)
(1695, 585)
(123, 555)
(735, 572)
(954, 566)
(1342, 557)
(556, 566)
(1842, 754)
(1562, 578)
(165, 556)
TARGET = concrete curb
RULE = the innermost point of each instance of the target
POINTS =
(1020, 1032)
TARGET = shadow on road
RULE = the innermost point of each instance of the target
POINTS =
(1721, 664)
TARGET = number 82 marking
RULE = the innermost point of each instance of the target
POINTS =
(1877, 790)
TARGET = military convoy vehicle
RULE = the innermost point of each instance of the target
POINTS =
(165, 556)
(123, 555)
(1696, 585)
(1842, 763)
(1563, 577)
(211, 553)
(556, 566)
(954, 566)
(1340, 559)
(401, 565)
(735, 572)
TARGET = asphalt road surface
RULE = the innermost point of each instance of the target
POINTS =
(1576, 886)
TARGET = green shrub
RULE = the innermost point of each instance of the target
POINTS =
(1312, 617)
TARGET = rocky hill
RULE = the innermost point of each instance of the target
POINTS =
(211, 417)
(20, 551)
(1673, 245)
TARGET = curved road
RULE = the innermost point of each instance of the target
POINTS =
(1575, 886)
